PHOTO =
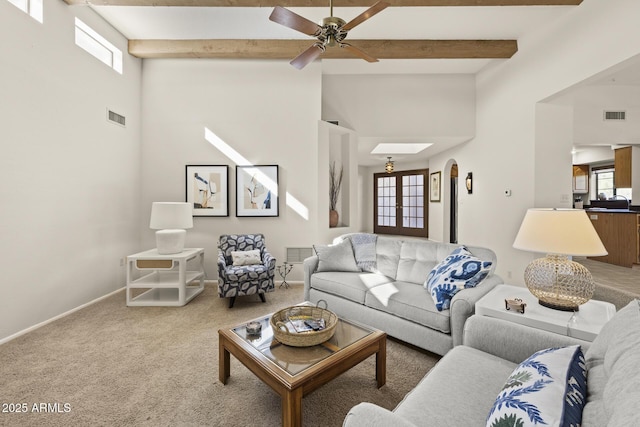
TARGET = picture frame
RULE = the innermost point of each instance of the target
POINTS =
(257, 191)
(207, 189)
(434, 186)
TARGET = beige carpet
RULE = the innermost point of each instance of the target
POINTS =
(114, 365)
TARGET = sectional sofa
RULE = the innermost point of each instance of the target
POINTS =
(379, 281)
(510, 374)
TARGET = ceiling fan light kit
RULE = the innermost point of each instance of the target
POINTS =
(331, 33)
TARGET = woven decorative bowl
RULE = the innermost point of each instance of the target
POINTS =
(281, 326)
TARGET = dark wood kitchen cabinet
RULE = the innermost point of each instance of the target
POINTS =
(620, 234)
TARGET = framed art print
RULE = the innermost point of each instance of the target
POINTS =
(257, 190)
(434, 186)
(208, 189)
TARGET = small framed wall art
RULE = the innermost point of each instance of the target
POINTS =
(207, 189)
(257, 190)
(434, 187)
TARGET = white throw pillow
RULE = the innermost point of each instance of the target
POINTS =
(246, 257)
(338, 257)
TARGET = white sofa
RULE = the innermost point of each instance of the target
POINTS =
(463, 386)
(393, 298)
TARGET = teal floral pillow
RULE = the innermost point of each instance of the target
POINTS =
(460, 270)
(547, 389)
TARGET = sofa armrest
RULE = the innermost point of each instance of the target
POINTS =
(463, 305)
(512, 341)
(310, 265)
(369, 415)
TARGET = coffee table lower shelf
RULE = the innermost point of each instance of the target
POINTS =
(292, 385)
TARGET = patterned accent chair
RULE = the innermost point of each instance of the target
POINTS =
(234, 281)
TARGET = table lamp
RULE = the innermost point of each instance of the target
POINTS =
(555, 280)
(171, 219)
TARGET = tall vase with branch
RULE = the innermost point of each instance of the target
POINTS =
(335, 182)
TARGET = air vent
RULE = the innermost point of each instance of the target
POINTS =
(298, 255)
(615, 115)
(116, 118)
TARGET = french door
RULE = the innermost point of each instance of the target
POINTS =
(400, 206)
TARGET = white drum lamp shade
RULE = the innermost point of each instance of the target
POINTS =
(171, 219)
(555, 280)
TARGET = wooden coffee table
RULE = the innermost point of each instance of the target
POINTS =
(293, 372)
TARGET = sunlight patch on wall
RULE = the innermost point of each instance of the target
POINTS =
(297, 206)
(240, 160)
(32, 7)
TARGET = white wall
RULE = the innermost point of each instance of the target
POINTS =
(419, 106)
(509, 149)
(70, 179)
(591, 128)
(266, 111)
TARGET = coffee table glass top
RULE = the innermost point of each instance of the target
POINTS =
(296, 359)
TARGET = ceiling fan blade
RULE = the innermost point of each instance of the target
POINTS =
(358, 52)
(307, 56)
(294, 21)
(381, 5)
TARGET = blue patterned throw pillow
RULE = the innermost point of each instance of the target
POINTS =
(547, 389)
(460, 270)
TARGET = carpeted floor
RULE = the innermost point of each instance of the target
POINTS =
(112, 365)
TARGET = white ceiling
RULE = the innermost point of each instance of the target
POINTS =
(497, 22)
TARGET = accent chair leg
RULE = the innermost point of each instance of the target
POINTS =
(262, 298)
(231, 301)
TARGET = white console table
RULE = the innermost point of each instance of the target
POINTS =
(584, 324)
(167, 278)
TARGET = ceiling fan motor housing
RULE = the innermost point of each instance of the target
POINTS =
(332, 30)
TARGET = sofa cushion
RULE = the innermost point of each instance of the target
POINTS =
(458, 391)
(417, 258)
(622, 391)
(408, 301)
(458, 271)
(352, 286)
(549, 388)
(388, 255)
(338, 257)
(612, 380)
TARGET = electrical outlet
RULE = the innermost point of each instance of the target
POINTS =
(122, 260)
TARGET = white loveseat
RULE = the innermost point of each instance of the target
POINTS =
(391, 296)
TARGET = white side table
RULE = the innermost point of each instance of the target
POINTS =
(584, 324)
(166, 277)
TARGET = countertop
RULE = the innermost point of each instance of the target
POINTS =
(605, 210)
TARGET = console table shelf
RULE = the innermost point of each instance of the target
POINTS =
(166, 277)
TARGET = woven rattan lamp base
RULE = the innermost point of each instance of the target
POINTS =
(559, 283)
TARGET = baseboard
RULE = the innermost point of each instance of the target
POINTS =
(60, 316)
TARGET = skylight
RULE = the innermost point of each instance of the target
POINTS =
(400, 148)
(32, 7)
(98, 46)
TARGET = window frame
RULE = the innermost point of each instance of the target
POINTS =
(91, 41)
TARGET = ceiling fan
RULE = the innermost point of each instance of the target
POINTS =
(332, 32)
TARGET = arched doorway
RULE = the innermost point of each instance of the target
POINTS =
(453, 204)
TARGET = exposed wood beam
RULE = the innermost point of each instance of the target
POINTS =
(322, 3)
(288, 49)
